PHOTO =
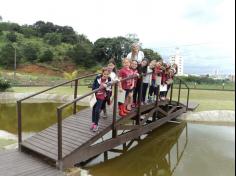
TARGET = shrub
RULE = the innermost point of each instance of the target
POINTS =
(4, 85)
(46, 56)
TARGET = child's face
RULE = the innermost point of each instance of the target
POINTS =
(158, 64)
(111, 66)
(126, 63)
(144, 63)
(152, 64)
(105, 74)
(134, 65)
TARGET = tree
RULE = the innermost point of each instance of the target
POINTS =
(133, 38)
(47, 56)
(53, 38)
(30, 52)
(7, 55)
(81, 55)
(28, 31)
(151, 55)
(11, 37)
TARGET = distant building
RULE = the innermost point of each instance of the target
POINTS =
(177, 59)
(231, 78)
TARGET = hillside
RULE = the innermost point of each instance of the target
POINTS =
(54, 45)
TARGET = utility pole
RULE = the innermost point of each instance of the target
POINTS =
(15, 64)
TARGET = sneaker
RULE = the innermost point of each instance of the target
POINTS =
(95, 128)
(92, 126)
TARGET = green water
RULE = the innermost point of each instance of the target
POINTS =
(174, 150)
(35, 116)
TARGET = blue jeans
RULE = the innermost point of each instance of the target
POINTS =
(96, 111)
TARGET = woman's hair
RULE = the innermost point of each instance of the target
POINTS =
(144, 69)
(134, 45)
(105, 69)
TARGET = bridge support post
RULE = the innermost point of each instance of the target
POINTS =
(114, 131)
(59, 137)
(139, 100)
(75, 95)
(19, 124)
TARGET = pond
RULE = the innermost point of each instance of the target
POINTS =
(174, 149)
(35, 116)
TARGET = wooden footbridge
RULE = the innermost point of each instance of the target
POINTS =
(70, 141)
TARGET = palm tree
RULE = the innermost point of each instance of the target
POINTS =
(70, 76)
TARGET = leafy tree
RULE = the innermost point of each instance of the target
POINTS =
(106, 48)
(28, 31)
(133, 38)
(30, 52)
(11, 37)
(151, 55)
(80, 55)
(47, 56)
(7, 55)
(53, 38)
(6, 26)
(42, 28)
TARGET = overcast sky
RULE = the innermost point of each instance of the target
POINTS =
(204, 30)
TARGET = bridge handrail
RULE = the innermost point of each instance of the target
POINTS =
(58, 85)
(96, 90)
(19, 114)
(180, 83)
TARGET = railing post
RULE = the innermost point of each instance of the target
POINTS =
(75, 95)
(187, 100)
(139, 100)
(157, 94)
(179, 91)
(114, 132)
(19, 124)
(171, 92)
(59, 137)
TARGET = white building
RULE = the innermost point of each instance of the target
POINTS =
(178, 59)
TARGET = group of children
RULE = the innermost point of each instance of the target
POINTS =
(156, 74)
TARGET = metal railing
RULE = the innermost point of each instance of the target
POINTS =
(76, 99)
(19, 102)
(179, 92)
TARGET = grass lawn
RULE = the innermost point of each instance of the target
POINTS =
(209, 99)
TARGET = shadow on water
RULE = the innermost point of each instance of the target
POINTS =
(35, 116)
(157, 153)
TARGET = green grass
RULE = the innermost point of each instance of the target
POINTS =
(6, 142)
(218, 86)
(208, 99)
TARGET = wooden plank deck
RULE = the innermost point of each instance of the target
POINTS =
(191, 105)
(15, 163)
(75, 132)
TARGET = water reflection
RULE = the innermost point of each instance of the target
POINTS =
(35, 116)
(156, 154)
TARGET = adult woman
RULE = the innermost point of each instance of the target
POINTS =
(135, 53)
